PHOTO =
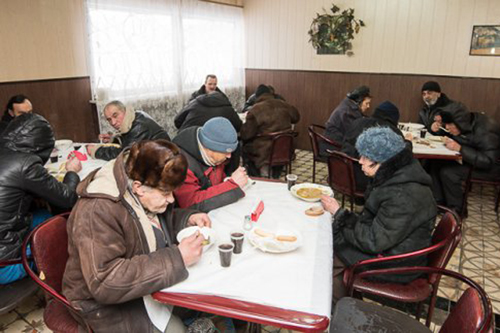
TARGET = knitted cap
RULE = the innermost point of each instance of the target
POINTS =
(218, 135)
(388, 109)
(379, 144)
(431, 86)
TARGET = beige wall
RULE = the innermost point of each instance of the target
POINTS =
(227, 2)
(42, 39)
(401, 36)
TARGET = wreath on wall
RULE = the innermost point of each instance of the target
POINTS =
(333, 33)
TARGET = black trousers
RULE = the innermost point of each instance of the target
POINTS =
(447, 179)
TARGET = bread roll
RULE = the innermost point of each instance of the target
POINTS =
(262, 233)
(315, 211)
(286, 238)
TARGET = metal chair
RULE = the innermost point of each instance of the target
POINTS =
(445, 239)
(341, 176)
(13, 294)
(49, 246)
(282, 149)
(472, 313)
(469, 181)
(315, 138)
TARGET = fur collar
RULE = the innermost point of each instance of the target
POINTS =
(128, 120)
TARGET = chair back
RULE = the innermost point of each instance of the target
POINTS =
(282, 148)
(341, 173)
(447, 235)
(315, 137)
(467, 315)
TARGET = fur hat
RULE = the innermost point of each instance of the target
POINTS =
(379, 144)
(431, 86)
(359, 94)
(218, 134)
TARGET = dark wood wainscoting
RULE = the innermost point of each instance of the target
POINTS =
(316, 94)
(64, 102)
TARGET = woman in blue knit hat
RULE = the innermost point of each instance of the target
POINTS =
(399, 211)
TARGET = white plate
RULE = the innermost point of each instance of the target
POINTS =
(271, 244)
(63, 145)
(411, 126)
(205, 231)
(325, 189)
(435, 138)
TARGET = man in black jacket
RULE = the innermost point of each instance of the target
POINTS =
(435, 103)
(209, 86)
(133, 126)
(16, 106)
(477, 138)
(25, 147)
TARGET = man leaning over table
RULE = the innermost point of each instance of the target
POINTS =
(399, 211)
(25, 147)
(208, 149)
(436, 102)
(133, 126)
(121, 239)
(477, 137)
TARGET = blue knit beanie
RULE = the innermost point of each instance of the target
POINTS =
(218, 134)
(379, 144)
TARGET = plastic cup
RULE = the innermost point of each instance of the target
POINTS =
(423, 132)
(225, 252)
(237, 238)
(54, 156)
(291, 180)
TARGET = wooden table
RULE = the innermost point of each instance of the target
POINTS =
(289, 290)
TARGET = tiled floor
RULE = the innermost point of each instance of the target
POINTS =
(477, 256)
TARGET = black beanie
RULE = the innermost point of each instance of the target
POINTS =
(431, 86)
(262, 89)
(388, 109)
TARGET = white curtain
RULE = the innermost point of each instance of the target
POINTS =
(153, 54)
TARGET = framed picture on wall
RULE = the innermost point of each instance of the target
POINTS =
(485, 40)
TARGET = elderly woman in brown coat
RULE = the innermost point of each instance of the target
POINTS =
(268, 115)
(121, 236)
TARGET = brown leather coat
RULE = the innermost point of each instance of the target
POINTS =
(268, 115)
(110, 267)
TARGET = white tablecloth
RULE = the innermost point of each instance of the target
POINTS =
(87, 166)
(436, 148)
(300, 280)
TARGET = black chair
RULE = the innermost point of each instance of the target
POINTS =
(316, 137)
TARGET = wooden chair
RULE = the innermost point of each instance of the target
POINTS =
(316, 137)
(341, 176)
(13, 294)
(282, 149)
(445, 239)
(472, 313)
(49, 246)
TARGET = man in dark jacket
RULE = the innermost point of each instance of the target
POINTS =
(268, 115)
(121, 240)
(385, 115)
(477, 137)
(435, 103)
(209, 86)
(354, 106)
(399, 211)
(133, 126)
(206, 107)
(16, 106)
(25, 147)
(207, 149)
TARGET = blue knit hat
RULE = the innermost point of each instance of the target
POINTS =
(218, 134)
(379, 144)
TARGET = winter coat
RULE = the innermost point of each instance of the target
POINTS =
(398, 216)
(204, 108)
(479, 140)
(6, 119)
(427, 114)
(204, 188)
(25, 147)
(203, 91)
(111, 265)
(137, 126)
(253, 99)
(268, 115)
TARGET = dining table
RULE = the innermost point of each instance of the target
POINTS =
(289, 289)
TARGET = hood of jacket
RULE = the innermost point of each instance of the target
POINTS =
(460, 117)
(214, 99)
(29, 133)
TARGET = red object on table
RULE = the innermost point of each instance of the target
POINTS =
(256, 313)
(78, 155)
(258, 210)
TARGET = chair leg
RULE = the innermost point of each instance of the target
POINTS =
(430, 312)
(352, 203)
(497, 198)
(343, 201)
(418, 310)
(314, 171)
